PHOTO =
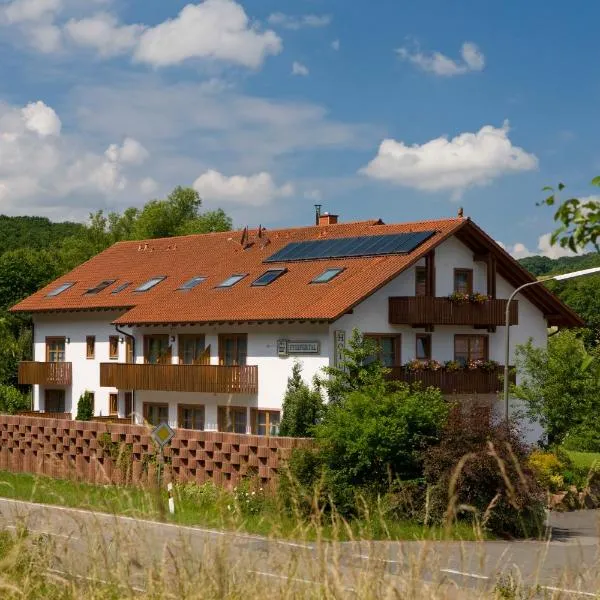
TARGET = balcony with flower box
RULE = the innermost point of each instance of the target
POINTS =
(476, 310)
(476, 377)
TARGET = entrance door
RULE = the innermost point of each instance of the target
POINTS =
(54, 401)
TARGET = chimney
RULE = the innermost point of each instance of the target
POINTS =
(327, 219)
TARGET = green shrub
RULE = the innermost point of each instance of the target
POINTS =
(300, 481)
(12, 400)
(584, 437)
(302, 407)
(548, 469)
(479, 472)
(369, 439)
(85, 407)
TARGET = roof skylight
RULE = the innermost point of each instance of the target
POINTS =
(327, 275)
(101, 286)
(60, 289)
(231, 281)
(150, 284)
(121, 287)
(192, 283)
(268, 277)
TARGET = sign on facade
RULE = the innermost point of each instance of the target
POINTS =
(289, 347)
(340, 344)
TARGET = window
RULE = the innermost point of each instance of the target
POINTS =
(423, 351)
(470, 347)
(327, 275)
(101, 286)
(90, 346)
(420, 281)
(269, 277)
(192, 283)
(388, 348)
(113, 404)
(191, 417)
(233, 419)
(129, 358)
(192, 351)
(463, 281)
(113, 347)
(60, 289)
(92, 396)
(55, 349)
(54, 401)
(121, 287)
(233, 349)
(157, 349)
(265, 422)
(155, 413)
(231, 281)
(128, 404)
(149, 284)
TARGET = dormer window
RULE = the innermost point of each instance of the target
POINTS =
(327, 275)
(121, 287)
(60, 289)
(101, 286)
(231, 281)
(192, 283)
(150, 284)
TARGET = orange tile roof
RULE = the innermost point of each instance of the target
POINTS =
(219, 255)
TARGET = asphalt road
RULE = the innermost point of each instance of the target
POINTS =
(98, 546)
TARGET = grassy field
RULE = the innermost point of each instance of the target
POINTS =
(208, 506)
(584, 460)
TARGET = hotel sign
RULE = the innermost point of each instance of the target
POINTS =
(289, 347)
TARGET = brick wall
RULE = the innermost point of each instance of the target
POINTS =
(117, 453)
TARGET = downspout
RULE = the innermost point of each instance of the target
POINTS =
(132, 338)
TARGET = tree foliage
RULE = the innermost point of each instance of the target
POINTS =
(12, 400)
(85, 407)
(303, 407)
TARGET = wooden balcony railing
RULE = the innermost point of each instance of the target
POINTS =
(458, 382)
(45, 373)
(180, 378)
(428, 310)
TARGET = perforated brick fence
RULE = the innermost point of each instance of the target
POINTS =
(117, 453)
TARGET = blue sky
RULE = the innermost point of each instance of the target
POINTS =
(392, 109)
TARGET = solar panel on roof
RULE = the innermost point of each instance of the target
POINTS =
(366, 245)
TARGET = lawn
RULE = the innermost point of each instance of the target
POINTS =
(584, 460)
(209, 506)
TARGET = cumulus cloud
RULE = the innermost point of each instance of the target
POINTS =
(213, 29)
(129, 152)
(254, 190)
(45, 38)
(544, 248)
(299, 69)
(148, 186)
(41, 119)
(20, 11)
(279, 19)
(103, 33)
(469, 159)
(440, 64)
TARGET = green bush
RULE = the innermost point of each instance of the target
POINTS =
(85, 407)
(302, 407)
(12, 400)
(368, 440)
(479, 472)
(584, 437)
(300, 482)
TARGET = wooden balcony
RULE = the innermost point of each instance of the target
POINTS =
(458, 382)
(180, 378)
(428, 310)
(45, 373)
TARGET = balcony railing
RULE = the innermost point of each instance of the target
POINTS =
(465, 381)
(428, 310)
(45, 373)
(180, 378)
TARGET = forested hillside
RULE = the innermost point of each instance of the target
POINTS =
(34, 251)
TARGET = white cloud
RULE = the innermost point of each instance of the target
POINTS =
(130, 152)
(335, 45)
(299, 69)
(45, 38)
(213, 29)
(255, 190)
(41, 119)
(279, 19)
(313, 194)
(469, 159)
(103, 33)
(19, 11)
(439, 64)
(544, 248)
(148, 186)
